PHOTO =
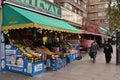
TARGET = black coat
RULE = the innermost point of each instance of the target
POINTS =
(108, 49)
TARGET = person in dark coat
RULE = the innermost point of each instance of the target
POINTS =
(108, 50)
(93, 50)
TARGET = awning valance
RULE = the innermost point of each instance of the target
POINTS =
(97, 34)
(18, 18)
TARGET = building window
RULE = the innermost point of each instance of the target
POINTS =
(84, 6)
(92, 6)
(103, 6)
(103, 21)
(51, 1)
(84, 15)
(106, 21)
(67, 6)
(79, 12)
(75, 1)
(101, 13)
(79, 2)
(75, 11)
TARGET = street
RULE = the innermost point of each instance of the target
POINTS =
(77, 70)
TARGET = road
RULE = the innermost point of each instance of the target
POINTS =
(78, 70)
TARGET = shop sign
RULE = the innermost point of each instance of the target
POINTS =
(89, 26)
(40, 5)
(71, 16)
(38, 67)
(17, 69)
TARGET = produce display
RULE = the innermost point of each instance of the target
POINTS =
(32, 55)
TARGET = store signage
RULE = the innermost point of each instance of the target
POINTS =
(17, 69)
(71, 16)
(40, 5)
(38, 67)
(89, 26)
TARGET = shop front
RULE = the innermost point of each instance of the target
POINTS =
(104, 35)
(31, 40)
(90, 33)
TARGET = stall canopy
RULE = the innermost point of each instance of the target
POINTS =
(18, 18)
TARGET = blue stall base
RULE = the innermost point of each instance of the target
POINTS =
(29, 68)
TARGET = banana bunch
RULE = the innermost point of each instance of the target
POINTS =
(25, 53)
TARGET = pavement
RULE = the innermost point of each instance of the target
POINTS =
(77, 70)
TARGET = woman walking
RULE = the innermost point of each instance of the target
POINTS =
(93, 51)
(108, 50)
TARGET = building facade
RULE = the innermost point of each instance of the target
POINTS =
(97, 12)
(77, 9)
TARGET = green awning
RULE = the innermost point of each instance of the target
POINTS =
(103, 31)
(18, 18)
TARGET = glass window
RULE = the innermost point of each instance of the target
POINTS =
(84, 6)
(103, 21)
(68, 6)
(106, 21)
(79, 12)
(85, 15)
(92, 6)
(75, 11)
(101, 13)
(103, 6)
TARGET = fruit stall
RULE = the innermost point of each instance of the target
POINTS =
(33, 43)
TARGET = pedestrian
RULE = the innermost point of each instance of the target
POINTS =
(108, 50)
(93, 51)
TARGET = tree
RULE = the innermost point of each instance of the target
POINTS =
(114, 15)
